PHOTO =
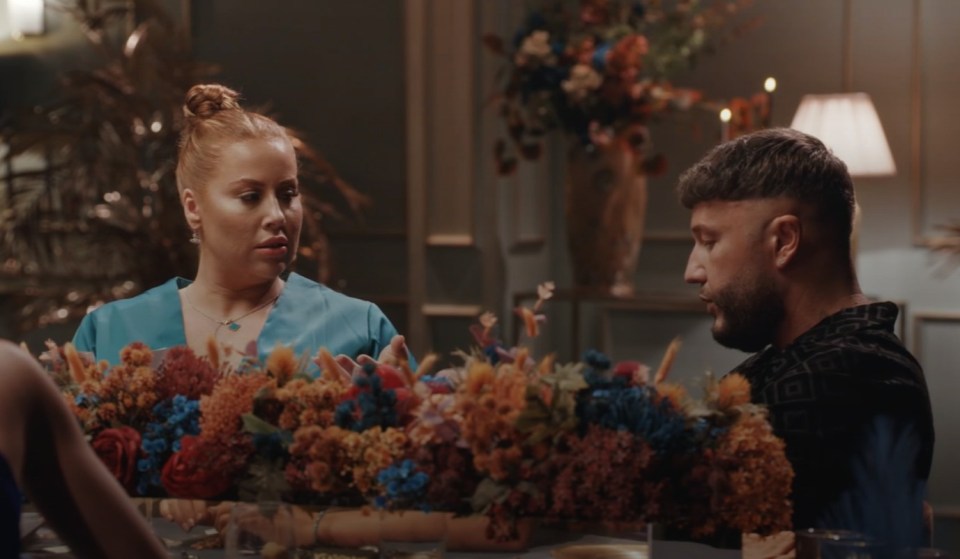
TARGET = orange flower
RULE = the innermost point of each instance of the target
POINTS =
(213, 352)
(282, 364)
(667, 363)
(331, 370)
(78, 369)
(753, 478)
(231, 398)
(529, 321)
(136, 354)
(732, 390)
(676, 393)
(317, 456)
(479, 377)
(107, 412)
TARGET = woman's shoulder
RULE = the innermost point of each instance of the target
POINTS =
(304, 290)
(159, 295)
(12, 356)
(18, 369)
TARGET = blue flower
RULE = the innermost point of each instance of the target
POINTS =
(403, 486)
(174, 419)
(86, 400)
(597, 360)
(373, 407)
(599, 59)
(636, 409)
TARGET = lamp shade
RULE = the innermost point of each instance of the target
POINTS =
(848, 124)
(25, 17)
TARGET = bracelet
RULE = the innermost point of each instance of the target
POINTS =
(316, 525)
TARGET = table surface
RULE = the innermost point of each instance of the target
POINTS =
(546, 545)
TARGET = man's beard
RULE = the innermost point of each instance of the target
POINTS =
(751, 315)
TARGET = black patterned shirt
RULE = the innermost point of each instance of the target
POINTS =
(826, 392)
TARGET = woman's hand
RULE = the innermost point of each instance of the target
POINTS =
(781, 545)
(186, 512)
(392, 355)
(286, 525)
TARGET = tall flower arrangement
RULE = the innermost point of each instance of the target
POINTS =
(600, 70)
(503, 435)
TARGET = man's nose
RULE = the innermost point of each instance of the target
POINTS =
(694, 273)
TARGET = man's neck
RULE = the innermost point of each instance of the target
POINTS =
(807, 308)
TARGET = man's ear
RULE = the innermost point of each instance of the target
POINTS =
(191, 208)
(785, 233)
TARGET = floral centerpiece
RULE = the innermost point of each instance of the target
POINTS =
(599, 70)
(503, 435)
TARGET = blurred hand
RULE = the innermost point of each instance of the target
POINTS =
(395, 352)
(286, 525)
(186, 512)
(781, 545)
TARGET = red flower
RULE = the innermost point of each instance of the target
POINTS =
(182, 372)
(194, 472)
(118, 449)
(634, 372)
(595, 12)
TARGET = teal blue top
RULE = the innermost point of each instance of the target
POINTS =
(307, 316)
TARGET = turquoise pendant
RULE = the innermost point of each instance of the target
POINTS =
(233, 326)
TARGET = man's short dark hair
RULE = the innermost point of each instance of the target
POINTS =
(775, 163)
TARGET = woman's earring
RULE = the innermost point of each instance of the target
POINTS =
(195, 237)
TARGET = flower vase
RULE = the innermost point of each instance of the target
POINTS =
(606, 204)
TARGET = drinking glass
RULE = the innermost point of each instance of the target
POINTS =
(816, 543)
(265, 529)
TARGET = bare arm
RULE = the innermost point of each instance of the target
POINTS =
(60, 472)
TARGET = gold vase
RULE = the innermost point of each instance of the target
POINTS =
(606, 204)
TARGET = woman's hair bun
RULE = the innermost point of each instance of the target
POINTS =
(206, 100)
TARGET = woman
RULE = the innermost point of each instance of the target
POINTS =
(43, 451)
(237, 177)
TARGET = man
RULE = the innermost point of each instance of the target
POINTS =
(771, 222)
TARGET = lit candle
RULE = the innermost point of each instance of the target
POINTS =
(769, 85)
(725, 116)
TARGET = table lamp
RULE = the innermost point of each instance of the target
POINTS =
(848, 124)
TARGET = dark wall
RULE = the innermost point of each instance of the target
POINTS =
(335, 71)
